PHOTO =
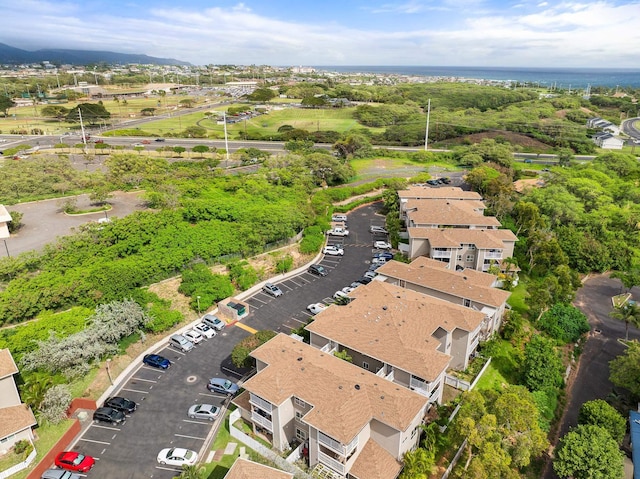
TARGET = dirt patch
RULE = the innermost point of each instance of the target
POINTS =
(561, 113)
(513, 138)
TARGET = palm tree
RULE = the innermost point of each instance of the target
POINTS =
(418, 464)
(628, 312)
(191, 472)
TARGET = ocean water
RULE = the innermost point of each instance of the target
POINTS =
(560, 77)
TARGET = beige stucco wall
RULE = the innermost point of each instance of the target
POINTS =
(8, 392)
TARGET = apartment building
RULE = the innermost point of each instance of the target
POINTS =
(446, 213)
(355, 423)
(244, 469)
(403, 336)
(16, 419)
(470, 288)
(461, 249)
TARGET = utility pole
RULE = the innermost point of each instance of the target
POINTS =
(426, 135)
(226, 141)
(84, 137)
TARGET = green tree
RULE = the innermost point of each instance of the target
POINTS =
(91, 113)
(588, 452)
(16, 221)
(192, 472)
(261, 94)
(179, 150)
(354, 145)
(542, 366)
(418, 464)
(564, 322)
(186, 103)
(600, 413)
(313, 102)
(565, 156)
(200, 149)
(58, 112)
(5, 104)
(629, 313)
(240, 355)
(629, 278)
(625, 369)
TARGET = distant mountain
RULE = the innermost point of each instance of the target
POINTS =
(11, 55)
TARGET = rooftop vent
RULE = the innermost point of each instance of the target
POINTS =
(384, 308)
(300, 358)
(357, 386)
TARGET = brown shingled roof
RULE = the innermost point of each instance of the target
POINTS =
(449, 212)
(344, 397)
(244, 469)
(14, 419)
(457, 283)
(396, 326)
(7, 364)
(454, 237)
(446, 192)
(374, 462)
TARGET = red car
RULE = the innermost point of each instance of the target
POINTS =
(74, 461)
(145, 142)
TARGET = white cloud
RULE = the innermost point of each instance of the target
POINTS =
(566, 34)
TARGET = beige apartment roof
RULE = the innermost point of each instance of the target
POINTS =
(454, 237)
(456, 283)
(444, 192)
(374, 462)
(344, 397)
(14, 419)
(244, 469)
(7, 364)
(449, 212)
(396, 325)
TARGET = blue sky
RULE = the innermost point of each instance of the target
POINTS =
(516, 33)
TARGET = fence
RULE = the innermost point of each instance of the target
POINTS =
(20, 466)
(261, 449)
(455, 460)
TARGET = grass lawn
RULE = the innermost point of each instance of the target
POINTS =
(491, 379)
(517, 298)
(504, 365)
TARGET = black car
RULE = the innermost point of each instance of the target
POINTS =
(110, 415)
(159, 140)
(121, 404)
(317, 270)
(365, 280)
(156, 361)
(433, 182)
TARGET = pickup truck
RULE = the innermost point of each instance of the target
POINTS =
(338, 232)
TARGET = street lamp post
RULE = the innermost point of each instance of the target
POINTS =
(198, 300)
(109, 371)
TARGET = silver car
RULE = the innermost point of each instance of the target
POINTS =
(204, 411)
(59, 474)
(181, 343)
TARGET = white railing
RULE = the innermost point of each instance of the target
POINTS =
(390, 376)
(440, 254)
(328, 348)
(20, 466)
(261, 403)
(490, 255)
(262, 421)
(331, 443)
(331, 462)
(381, 372)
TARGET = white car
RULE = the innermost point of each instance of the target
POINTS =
(316, 308)
(194, 336)
(370, 274)
(177, 456)
(347, 289)
(333, 250)
(206, 331)
(338, 232)
(378, 230)
(378, 261)
(382, 245)
(340, 294)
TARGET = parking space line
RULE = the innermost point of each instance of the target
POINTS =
(105, 427)
(212, 395)
(246, 328)
(258, 300)
(299, 321)
(92, 440)
(190, 437)
(135, 391)
(153, 369)
(285, 285)
(206, 423)
(298, 285)
(145, 380)
(176, 351)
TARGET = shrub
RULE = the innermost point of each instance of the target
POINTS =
(240, 354)
(284, 264)
(542, 366)
(22, 447)
(16, 221)
(312, 240)
(564, 323)
(600, 413)
(199, 281)
(55, 404)
(242, 274)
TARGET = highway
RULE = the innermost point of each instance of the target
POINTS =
(631, 128)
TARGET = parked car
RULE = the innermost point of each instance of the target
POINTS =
(205, 330)
(177, 456)
(213, 322)
(339, 218)
(121, 404)
(272, 289)
(110, 415)
(355, 284)
(382, 245)
(203, 411)
(59, 474)
(181, 343)
(317, 270)
(446, 180)
(365, 280)
(370, 274)
(433, 182)
(74, 461)
(347, 289)
(222, 386)
(384, 254)
(374, 267)
(379, 260)
(338, 232)
(340, 294)
(194, 336)
(156, 361)
(333, 250)
(316, 308)
(377, 230)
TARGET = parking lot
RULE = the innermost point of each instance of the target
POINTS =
(164, 396)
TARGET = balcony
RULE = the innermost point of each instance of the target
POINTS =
(332, 463)
(493, 255)
(419, 386)
(329, 348)
(262, 421)
(440, 254)
(261, 403)
(337, 446)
